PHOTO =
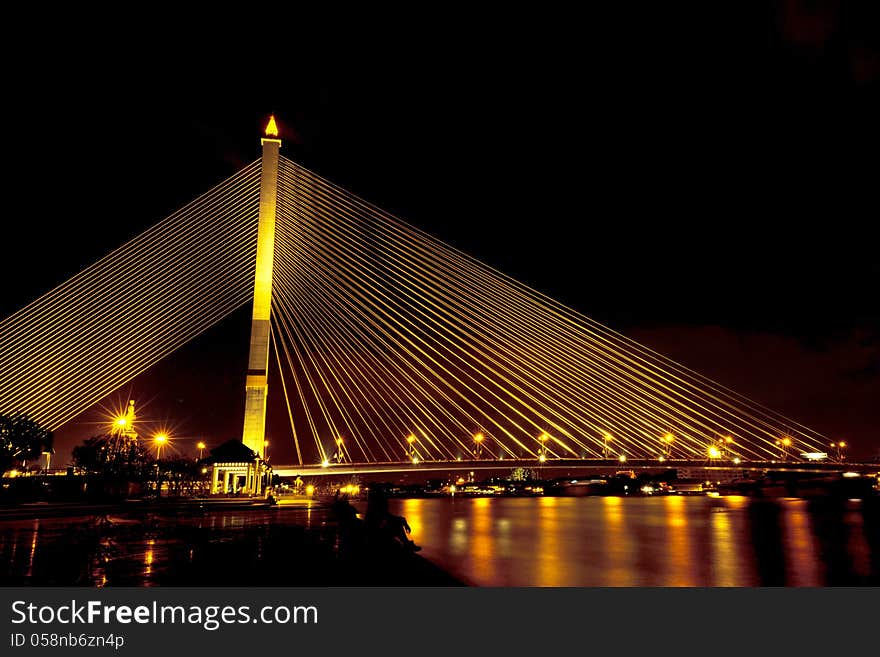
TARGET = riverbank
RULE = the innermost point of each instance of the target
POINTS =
(185, 545)
(30, 510)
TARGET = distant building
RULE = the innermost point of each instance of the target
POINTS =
(715, 475)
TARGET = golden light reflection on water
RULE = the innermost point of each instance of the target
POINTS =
(680, 569)
(148, 558)
(594, 541)
(458, 536)
(482, 548)
(412, 511)
(736, 501)
(618, 569)
(551, 564)
(504, 543)
(726, 568)
(801, 555)
(34, 535)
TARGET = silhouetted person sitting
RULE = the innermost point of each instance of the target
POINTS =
(350, 527)
(382, 525)
(398, 528)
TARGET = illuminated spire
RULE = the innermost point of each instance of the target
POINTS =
(271, 127)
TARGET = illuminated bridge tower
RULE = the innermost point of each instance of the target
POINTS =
(256, 386)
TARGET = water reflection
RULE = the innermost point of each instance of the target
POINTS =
(801, 563)
(680, 567)
(665, 541)
(601, 541)
(482, 540)
(857, 544)
(146, 550)
(729, 567)
(551, 570)
(34, 534)
(617, 571)
(148, 560)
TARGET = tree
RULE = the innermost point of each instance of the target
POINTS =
(112, 457)
(22, 439)
(184, 476)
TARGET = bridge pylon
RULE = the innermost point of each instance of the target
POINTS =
(256, 386)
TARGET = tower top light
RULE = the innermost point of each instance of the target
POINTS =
(271, 127)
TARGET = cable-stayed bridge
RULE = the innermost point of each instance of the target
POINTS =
(391, 346)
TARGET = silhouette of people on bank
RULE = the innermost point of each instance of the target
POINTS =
(383, 526)
(351, 530)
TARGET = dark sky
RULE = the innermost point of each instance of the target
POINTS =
(705, 181)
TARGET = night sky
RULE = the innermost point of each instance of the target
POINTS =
(706, 182)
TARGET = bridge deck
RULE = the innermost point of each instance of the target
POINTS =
(343, 469)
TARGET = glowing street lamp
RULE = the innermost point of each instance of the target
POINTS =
(840, 446)
(201, 447)
(123, 424)
(724, 445)
(478, 445)
(783, 443)
(606, 450)
(411, 440)
(339, 456)
(622, 458)
(542, 452)
(160, 440)
(265, 449)
(667, 445)
(714, 452)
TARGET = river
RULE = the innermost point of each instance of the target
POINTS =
(535, 541)
(647, 541)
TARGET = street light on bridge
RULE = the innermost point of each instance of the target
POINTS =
(783, 443)
(339, 456)
(840, 447)
(723, 446)
(606, 450)
(478, 445)
(201, 447)
(411, 440)
(667, 446)
(542, 452)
